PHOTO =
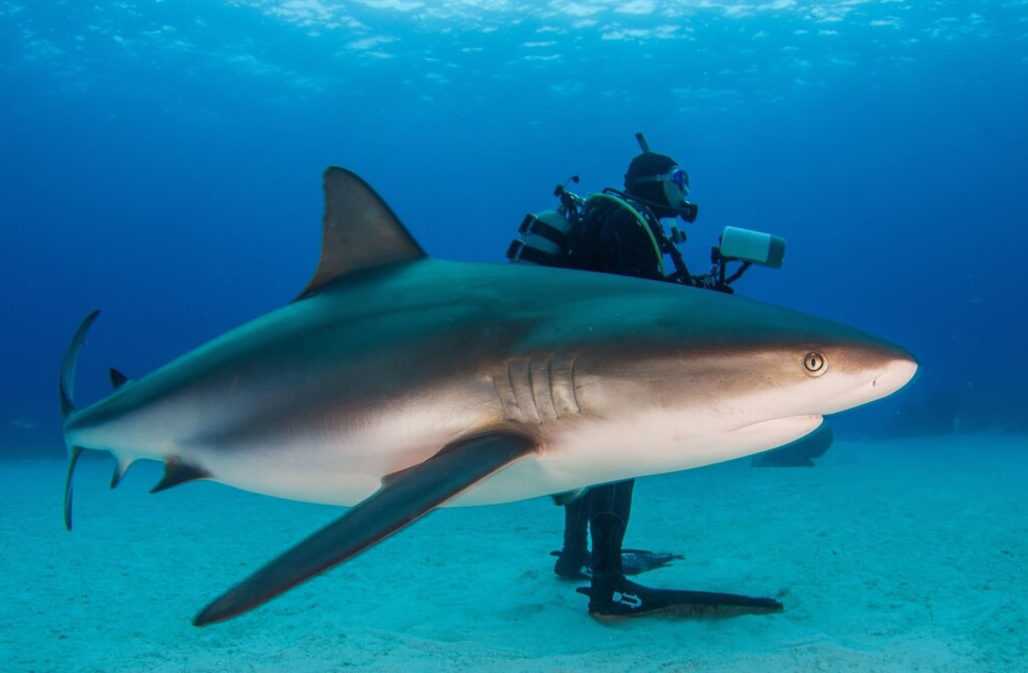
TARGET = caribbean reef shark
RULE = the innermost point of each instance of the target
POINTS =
(400, 383)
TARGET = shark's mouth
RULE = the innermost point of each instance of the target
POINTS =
(778, 431)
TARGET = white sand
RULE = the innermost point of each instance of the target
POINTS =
(905, 556)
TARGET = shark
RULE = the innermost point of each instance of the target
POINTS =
(396, 383)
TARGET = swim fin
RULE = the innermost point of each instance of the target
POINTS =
(618, 598)
(633, 562)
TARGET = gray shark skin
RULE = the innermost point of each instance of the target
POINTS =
(400, 383)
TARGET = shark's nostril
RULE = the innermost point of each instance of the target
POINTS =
(897, 374)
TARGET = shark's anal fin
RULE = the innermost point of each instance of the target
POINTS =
(177, 472)
(117, 378)
(121, 466)
(359, 231)
(408, 495)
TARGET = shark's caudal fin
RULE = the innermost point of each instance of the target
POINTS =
(66, 389)
(359, 231)
(404, 498)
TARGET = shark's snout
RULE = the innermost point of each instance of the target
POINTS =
(884, 372)
(889, 368)
(896, 374)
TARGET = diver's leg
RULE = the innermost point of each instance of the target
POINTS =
(611, 595)
(574, 562)
(610, 507)
(573, 558)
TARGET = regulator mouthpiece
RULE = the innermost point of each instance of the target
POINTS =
(688, 211)
(751, 246)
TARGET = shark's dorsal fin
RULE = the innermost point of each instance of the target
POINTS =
(359, 231)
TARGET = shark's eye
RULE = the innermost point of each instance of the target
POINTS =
(815, 363)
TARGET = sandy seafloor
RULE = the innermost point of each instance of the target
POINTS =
(897, 556)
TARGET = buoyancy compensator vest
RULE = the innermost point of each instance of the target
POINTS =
(618, 236)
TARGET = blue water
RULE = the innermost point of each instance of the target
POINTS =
(162, 161)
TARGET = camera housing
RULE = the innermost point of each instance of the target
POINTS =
(755, 247)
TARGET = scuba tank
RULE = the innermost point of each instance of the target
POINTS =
(543, 237)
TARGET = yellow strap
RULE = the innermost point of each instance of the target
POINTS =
(640, 220)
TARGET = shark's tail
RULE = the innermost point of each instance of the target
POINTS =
(66, 389)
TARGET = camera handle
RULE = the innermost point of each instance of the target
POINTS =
(721, 269)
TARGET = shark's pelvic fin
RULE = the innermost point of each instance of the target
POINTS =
(66, 390)
(359, 231)
(177, 472)
(407, 496)
(117, 378)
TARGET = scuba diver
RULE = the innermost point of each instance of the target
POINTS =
(621, 232)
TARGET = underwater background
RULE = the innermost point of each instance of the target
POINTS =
(162, 160)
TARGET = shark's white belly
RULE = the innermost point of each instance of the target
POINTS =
(602, 453)
(346, 470)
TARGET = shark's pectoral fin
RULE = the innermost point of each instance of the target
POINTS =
(405, 497)
(359, 231)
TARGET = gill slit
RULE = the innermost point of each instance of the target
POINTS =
(549, 386)
(574, 385)
(531, 392)
(513, 390)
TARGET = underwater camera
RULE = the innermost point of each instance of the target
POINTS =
(755, 247)
(746, 246)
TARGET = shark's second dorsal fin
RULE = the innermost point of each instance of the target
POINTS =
(359, 232)
(117, 378)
